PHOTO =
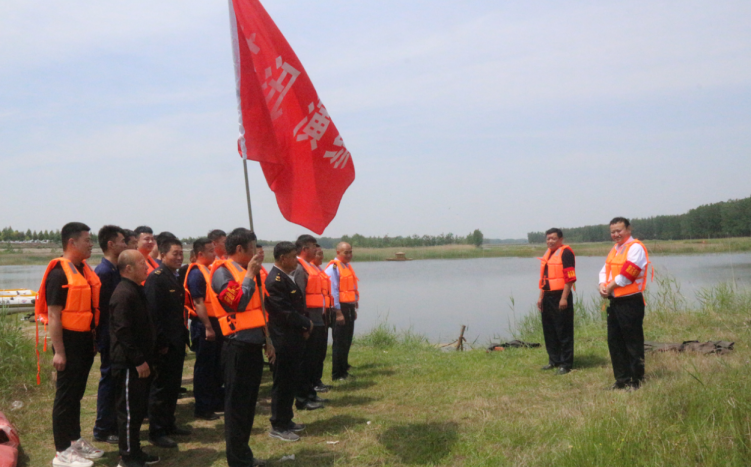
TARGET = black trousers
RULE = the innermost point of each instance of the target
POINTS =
(626, 339)
(165, 389)
(106, 414)
(287, 380)
(208, 379)
(132, 400)
(70, 387)
(558, 329)
(341, 342)
(243, 367)
(311, 364)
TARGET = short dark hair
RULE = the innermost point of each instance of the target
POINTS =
(129, 234)
(239, 237)
(554, 230)
(164, 236)
(200, 245)
(216, 234)
(616, 220)
(72, 230)
(166, 244)
(143, 229)
(107, 233)
(283, 248)
(303, 240)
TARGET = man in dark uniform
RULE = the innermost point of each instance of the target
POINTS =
(311, 366)
(234, 288)
(112, 241)
(166, 297)
(289, 328)
(133, 338)
(556, 303)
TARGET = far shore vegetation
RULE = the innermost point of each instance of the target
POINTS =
(413, 404)
(40, 254)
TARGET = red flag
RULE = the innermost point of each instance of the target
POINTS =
(283, 123)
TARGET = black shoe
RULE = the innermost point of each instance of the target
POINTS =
(284, 435)
(548, 367)
(321, 388)
(207, 416)
(131, 462)
(163, 442)
(148, 459)
(110, 439)
(308, 405)
(258, 462)
(296, 427)
(180, 432)
(317, 399)
(563, 371)
(183, 390)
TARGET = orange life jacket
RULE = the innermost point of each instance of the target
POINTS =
(81, 311)
(151, 263)
(314, 292)
(253, 316)
(613, 265)
(210, 305)
(326, 286)
(348, 292)
(556, 277)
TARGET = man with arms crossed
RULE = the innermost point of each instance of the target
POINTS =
(133, 340)
(622, 281)
(68, 301)
(556, 304)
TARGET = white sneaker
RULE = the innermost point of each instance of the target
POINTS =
(86, 450)
(70, 458)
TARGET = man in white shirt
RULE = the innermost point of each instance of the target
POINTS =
(622, 281)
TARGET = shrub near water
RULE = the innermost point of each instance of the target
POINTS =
(17, 359)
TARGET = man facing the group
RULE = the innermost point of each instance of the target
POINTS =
(556, 303)
(623, 280)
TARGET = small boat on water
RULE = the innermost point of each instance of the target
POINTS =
(400, 256)
(17, 297)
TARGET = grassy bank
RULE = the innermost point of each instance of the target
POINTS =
(414, 405)
(42, 256)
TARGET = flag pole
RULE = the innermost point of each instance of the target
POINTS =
(259, 283)
(247, 193)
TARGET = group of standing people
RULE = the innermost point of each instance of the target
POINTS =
(622, 282)
(141, 307)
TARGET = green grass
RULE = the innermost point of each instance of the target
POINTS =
(414, 405)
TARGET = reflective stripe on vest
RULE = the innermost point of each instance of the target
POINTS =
(556, 279)
(613, 265)
(252, 316)
(81, 311)
(348, 292)
(314, 294)
(207, 301)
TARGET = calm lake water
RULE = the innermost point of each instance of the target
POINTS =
(436, 297)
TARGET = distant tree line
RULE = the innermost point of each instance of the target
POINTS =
(359, 241)
(724, 219)
(9, 234)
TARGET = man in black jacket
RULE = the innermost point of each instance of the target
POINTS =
(289, 328)
(166, 297)
(132, 340)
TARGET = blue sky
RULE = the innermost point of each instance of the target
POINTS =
(502, 116)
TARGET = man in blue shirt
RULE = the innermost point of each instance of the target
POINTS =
(112, 241)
